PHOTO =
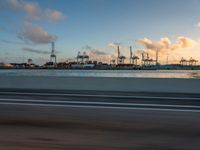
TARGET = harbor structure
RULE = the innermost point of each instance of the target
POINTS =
(53, 55)
(157, 51)
(190, 62)
(147, 61)
(30, 61)
(82, 58)
(83, 61)
(193, 62)
(120, 58)
(183, 61)
(133, 58)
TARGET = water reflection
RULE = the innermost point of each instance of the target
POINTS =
(105, 73)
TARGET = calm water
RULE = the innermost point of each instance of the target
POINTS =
(105, 73)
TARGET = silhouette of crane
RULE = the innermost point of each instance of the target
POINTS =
(133, 58)
(53, 55)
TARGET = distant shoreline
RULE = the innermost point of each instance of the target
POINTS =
(97, 69)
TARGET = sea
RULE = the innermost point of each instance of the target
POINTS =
(103, 73)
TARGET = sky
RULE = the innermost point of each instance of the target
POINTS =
(27, 28)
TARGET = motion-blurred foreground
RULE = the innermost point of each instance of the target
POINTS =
(82, 120)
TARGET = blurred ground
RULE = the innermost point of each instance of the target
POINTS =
(32, 127)
(85, 137)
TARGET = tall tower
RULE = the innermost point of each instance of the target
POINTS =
(53, 55)
(131, 54)
(157, 57)
(143, 63)
(118, 54)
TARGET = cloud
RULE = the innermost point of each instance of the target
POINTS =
(35, 35)
(165, 47)
(114, 45)
(10, 4)
(94, 50)
(35, 51)
(32, 10)
(54, 15)
(11, 42)
(97, 54)
(197, 24)
(184, 43)
(181, 48)
(164, 44)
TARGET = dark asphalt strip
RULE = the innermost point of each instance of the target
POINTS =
(98, 104)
